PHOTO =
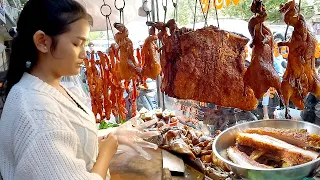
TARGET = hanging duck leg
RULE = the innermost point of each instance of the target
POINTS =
(141, 64)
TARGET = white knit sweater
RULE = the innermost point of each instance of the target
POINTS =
(44, 135)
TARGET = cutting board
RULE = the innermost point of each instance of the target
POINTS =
(131, 166)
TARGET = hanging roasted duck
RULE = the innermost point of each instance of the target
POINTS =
(149, 54)
(300, 76)
(128, 65)
(261, 75)
(117, 88)
(206, 65)
(169, 53)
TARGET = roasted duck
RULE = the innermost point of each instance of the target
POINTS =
(300, 76)
(149, 53)
(261, 75)
(128, 65)
(197, 64)
(170, 52)
(291, 155)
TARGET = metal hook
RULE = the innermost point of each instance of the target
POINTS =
(108, 22)
(195, 14)
(165, 10)
(215, 7)
(166, 3)
(175, 5)
(206, 17)
(120, 9)
(145, 2)
(105, 5)
(147, 11)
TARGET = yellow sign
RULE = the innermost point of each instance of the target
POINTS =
(217, 4)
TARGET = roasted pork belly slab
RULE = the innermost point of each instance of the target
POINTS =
(289, 153)
(243, 159)
(211, 69)
(206, 65)
(299, 137)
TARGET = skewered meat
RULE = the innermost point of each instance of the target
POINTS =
(261, 68)
(90, 84)
(243, 159)
(128, 66)
(198, 64)
(300, 76)
(95, 85)
(105, 74)
(141, 63)
(151, 67)
(299, 137)
(290, 154)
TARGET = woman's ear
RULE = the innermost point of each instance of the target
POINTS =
(42, 41)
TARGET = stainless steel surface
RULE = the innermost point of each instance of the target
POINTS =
(227, 139)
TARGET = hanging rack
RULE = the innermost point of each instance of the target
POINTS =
(108, 22)
(120, 10)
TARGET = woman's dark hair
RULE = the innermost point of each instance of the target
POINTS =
(53, 17)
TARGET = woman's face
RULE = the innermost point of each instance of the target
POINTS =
(70, 52)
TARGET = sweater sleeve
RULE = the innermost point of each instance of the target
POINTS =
(51, 155)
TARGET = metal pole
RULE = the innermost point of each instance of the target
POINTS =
(155, 17)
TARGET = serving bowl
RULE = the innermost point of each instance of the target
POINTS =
(228, 138)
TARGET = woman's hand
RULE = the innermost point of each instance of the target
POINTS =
(108, 144)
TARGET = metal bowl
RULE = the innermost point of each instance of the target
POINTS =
(228, 138)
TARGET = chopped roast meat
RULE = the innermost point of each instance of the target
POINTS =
(243, 159)
(290, 154)
(299, 137)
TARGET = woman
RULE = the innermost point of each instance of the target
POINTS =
(45, 131)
